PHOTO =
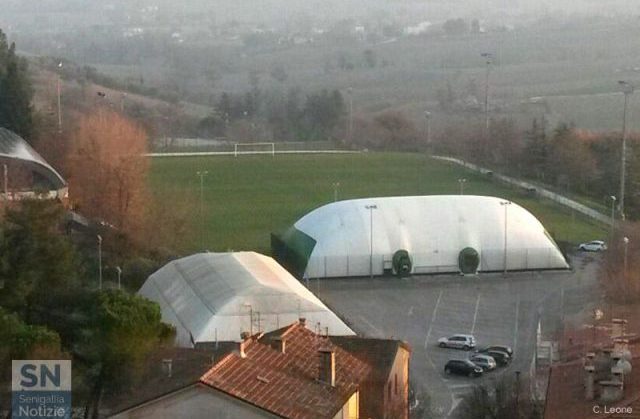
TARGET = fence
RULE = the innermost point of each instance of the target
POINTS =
(545, 193)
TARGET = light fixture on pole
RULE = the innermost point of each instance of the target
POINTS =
(462, 181)
(505, 204)
(625, 241)
(627, 89)
(119, 272)
(613, 215)
(336, 186)
(427, 128)
(489, 60)
(350, 127)
(99, 262)
(371, 208)
(59, 90)
(202, 174)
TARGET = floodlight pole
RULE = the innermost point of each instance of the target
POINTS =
(336, 185)
(5, 181)
(99, 262)
(505, 204)
(350, 132)
(119, 272)
(613, 216)
(371, 208)
(202, 174)
(489, 59)
(427, 128)
(462, 181)
(627, 89)
(59, 90)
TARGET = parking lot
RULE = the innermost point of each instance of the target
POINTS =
(496, 309)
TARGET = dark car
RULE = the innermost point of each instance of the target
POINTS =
(501, 348)
(502, 358)
(462, 367)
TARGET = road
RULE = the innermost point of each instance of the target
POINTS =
(497, 309)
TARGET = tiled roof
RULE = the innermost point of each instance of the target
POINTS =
(187, 366)
(287, 383)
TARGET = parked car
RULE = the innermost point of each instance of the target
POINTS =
(593, 246)
(502, 348)
(502, 358)
(486, 362)
(466, 342)
(462, 367)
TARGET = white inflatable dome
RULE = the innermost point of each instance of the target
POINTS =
(360, 237)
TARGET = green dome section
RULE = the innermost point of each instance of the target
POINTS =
(292, 250)
(468, 260)
(401, 263)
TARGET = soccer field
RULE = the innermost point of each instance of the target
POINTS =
(246, 198)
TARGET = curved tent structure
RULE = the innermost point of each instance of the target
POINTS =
(24, 160)
(441, 233)
(217, 296)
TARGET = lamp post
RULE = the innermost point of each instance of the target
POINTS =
(505, 204)
(350, 127)
(427, 127)
(99, 262)
(613, 216)
(371, 208)
(336, 185)
(489, 60)
(59, 91)
(119, 272)
(202, 174)
(625, 240)
(5, 181)
(627, 89)
(462, 181)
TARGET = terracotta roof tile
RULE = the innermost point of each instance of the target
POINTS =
(292, 389)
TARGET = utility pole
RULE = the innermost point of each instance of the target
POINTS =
(202, 174)
(627, 89)
(489, 60)
(613, 217)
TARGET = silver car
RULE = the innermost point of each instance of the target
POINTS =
(466, 342)
(485, 362)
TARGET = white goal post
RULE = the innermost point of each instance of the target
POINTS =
(254, 148)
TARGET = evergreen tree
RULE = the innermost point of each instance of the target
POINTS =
(16, 92)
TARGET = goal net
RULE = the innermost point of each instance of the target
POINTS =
(254, 148)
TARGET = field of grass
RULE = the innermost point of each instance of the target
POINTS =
(247, 198)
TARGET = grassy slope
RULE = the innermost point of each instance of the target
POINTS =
(247, 198)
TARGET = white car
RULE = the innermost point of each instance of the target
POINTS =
(593, 246)
(466, 342)
(485, 362)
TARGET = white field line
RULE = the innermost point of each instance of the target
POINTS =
(475, 315)
(433, 317)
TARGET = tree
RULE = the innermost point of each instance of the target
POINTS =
(370, 58)
(454, 27)
(119, 331)
(16, 92)
(323, 111)
(279, 73)
(108, 169)
(37, 262)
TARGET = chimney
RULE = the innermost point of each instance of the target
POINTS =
(244, 341)
(589, 381)
(616, 374)
(302, 321)
(280, 344)
(167, 367)
(589, 359)
(327, 370)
